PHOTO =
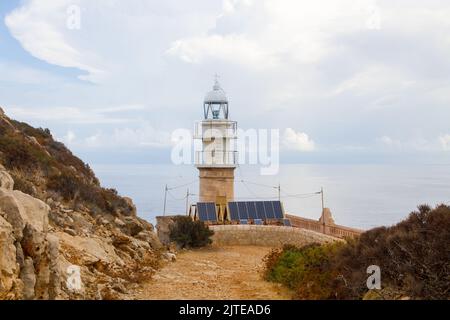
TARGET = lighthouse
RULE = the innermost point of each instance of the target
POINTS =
(217, 159)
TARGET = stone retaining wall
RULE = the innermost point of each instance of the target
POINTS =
(270, 236)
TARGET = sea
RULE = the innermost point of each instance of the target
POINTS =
(360, 196)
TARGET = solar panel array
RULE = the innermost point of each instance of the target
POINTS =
(263, 210)
(206, 211)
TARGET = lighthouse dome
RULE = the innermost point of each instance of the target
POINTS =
(216, 95)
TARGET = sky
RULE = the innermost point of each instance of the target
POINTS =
(349, 81)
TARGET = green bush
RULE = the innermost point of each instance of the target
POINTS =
(307, 270)
(190, 234)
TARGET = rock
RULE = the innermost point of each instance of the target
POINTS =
(27, 274)
(133, 226)
(169, 256)
(87, 251)
(149, 237)
(6, 181)
(8, 266)
(119, 222)
(20, 257)
(33, 242)
(22, 209)
(54, 286)
(70, 231)
(131, 205)
(13, 211)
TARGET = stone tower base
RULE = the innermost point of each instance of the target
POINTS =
(216, 184)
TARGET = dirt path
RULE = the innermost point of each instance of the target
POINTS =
(214, 273)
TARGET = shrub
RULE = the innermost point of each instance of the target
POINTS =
(66, 184)
(22, 185)
(190, 234)
(413, 256)
(307, 270)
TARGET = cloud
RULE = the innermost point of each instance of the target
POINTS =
(69, 138)
(445, 142)
(415, 144)
(143, 136)
(298, 141)
(354, 67)
(390, 143)
(33, 25)
(73, 115)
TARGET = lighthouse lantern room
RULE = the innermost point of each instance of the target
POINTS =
(217, 159)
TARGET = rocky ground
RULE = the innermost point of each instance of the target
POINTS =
(42, 246)
(57, 222)
(230, 273)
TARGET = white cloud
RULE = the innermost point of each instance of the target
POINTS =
(390, 143)
(69, 138)
(75, 115)
(445, 142)
(34, 25)
(417, 144)
(298, 141)
(353, 66)
(142, 136)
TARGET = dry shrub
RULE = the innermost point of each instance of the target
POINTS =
(414, 257)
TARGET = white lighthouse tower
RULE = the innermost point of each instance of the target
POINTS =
(217, 159)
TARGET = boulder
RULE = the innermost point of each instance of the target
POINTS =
(131, 205)
(27, 274)
(6, 181)
(150, 237)
(169, 256)
(132, 226)
(8, 266)
(21, 209)
(88, 251)
(54, 286)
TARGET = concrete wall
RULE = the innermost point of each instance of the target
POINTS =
(163, 228)
(270, 236)
(325, 226)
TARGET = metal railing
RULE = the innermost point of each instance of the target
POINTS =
(227, 158)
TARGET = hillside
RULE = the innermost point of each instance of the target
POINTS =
(55, 217)
(413, 257)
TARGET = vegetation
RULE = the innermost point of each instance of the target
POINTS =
(413, 255)
(39, 164)
(190, 234)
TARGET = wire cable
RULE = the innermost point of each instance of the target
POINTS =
(182, 185)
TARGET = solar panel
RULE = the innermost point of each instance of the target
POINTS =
(206, 211)
(201, 210)
(211, 211)
(278, 210)
(251, 208)
(287, 223)
(258, 222)
(234, 213)
(260, 212)
(243, 213)
(243, 221)
(269, 210)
